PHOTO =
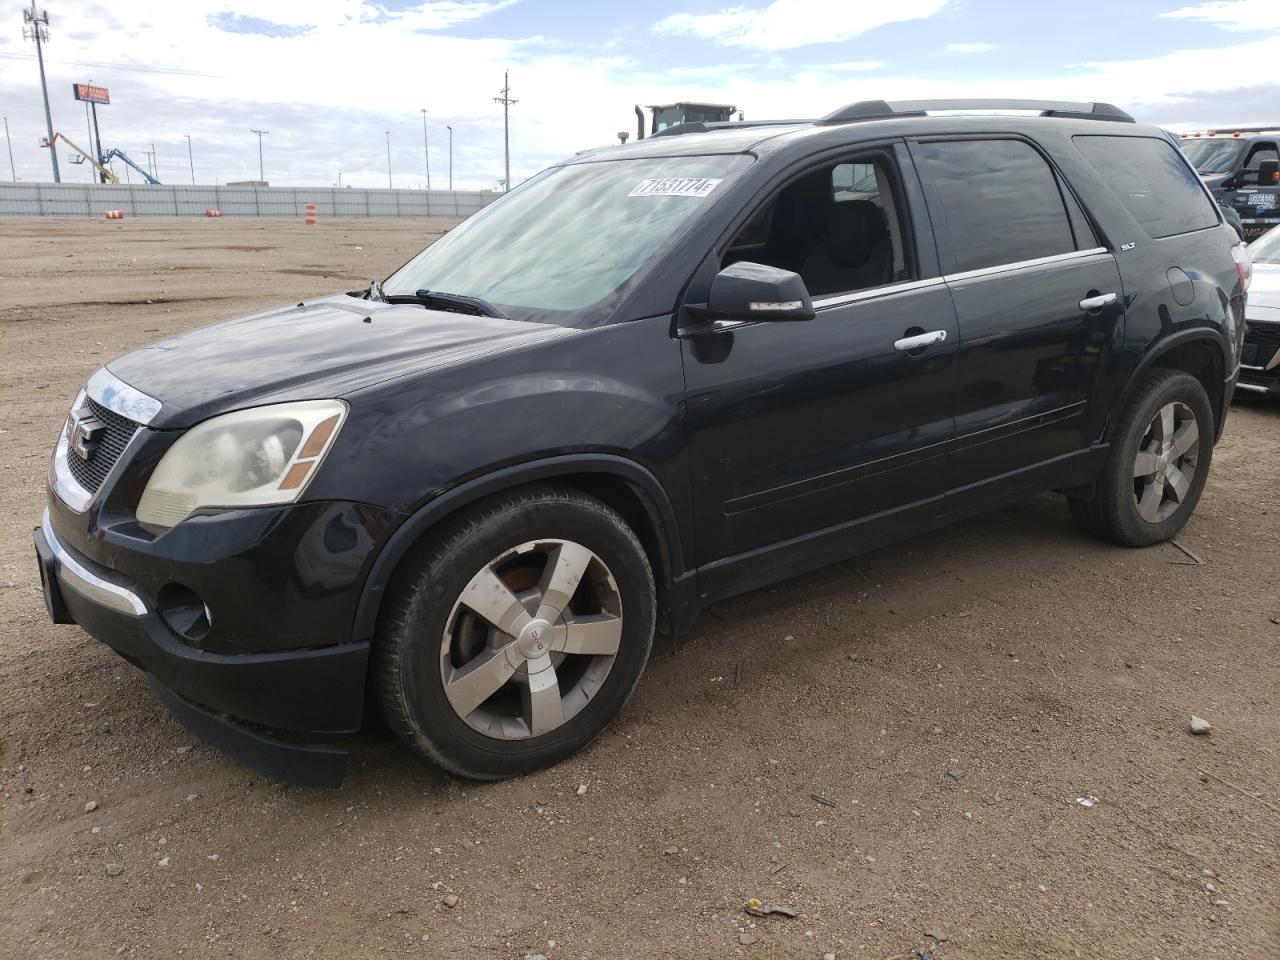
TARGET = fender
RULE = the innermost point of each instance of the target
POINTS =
(1209, 335)
(679, 582)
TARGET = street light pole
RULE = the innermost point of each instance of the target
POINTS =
(388, 159)
(261, 134)
(35, 26)
(426, 150)
(451, 159)
(191, 160)
(13, 171)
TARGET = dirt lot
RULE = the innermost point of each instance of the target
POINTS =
(949, 700)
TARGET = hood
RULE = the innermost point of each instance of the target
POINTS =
(314, 350)
(1264, 288)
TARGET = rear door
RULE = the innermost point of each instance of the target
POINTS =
(1039, 305)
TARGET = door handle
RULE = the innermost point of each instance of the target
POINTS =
(1091, 304)
(919, 341)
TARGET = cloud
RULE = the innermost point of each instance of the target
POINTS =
(971, 47)
(857, 66)
(786, 24)
(242, 23)
(1232, 14)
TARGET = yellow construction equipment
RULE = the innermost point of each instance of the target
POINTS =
(46, 142)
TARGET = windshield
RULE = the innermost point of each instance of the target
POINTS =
(569, 239)
(1266, 249)
(1211, 157)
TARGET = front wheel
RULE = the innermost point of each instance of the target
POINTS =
(516, 634)
(1157, 466)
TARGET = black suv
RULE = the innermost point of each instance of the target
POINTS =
(1242, 170)
(652, 376)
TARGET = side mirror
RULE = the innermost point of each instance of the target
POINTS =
(754, 291)
(1269, 173)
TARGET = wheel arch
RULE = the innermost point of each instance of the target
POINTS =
(624, 485)
(1199, 352)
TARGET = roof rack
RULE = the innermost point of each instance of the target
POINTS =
(883, 109)
(708, 126)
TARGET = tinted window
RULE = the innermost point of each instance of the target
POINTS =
(1000, 201)
(1263, 151)
(1153, 181)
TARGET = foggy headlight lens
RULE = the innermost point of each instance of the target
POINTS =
(266, 455)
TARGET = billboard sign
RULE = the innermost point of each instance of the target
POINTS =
(91, 94)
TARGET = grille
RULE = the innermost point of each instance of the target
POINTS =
(120, 430)
(1260, 345)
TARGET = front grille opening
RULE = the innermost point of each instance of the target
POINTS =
(119, 431)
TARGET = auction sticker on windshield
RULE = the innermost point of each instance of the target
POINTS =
(675, 187)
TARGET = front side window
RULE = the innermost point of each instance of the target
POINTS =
(1152, 181)
(1263, 151)
(565, 245)
(838, 226)
(1001, 201)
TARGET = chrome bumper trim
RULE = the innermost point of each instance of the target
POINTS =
(73, 574)
(1251, 387)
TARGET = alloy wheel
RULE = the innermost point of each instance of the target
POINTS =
(531, 639)
(1165, 467)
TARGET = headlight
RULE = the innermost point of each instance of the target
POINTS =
(248, 458)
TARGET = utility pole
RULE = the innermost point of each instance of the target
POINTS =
(261, 134)
(13, 171)
(155, 162)
(451, 159)
(191, 160)
(388, 159)
(35, 26)
(506, 102)
(425, 149)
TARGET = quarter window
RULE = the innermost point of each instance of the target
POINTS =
(1000, 201)
(1153, 181)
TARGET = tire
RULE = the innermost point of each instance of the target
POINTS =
(436, 655)
(1138, 509)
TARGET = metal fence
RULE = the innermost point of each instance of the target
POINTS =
(92, 200)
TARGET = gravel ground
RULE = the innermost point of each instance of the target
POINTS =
(948, 699)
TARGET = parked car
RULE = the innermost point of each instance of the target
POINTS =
(651, 377)
(1260, 360)
(1242, 169)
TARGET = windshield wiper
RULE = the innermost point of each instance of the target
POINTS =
(451, 302)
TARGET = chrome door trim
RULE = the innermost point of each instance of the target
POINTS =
(841, 299)
(1022, 264)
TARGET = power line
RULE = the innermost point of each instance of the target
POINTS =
(108, 65)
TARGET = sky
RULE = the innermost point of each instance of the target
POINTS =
(330, 79)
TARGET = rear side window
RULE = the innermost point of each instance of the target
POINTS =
(1000, 199)
(1153, 181)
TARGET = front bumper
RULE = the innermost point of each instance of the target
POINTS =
(271, 710)
(1260, 360)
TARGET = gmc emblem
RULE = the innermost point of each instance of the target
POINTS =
(86, 431)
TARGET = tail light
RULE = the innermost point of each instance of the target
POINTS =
(1244, 265)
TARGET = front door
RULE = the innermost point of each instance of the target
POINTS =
(803, 431)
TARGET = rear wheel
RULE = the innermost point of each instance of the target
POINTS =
(515, 636)
(1157, 465)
